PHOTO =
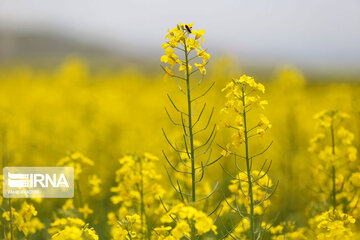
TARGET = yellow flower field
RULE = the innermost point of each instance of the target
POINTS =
(200, 150)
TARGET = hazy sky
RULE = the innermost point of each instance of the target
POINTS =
(307, 32)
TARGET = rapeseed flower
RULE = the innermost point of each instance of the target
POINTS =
(184, 39)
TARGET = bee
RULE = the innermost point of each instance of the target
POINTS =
(188, 28)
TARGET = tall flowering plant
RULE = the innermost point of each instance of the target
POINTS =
(193, 154)
(336, 175)
(251, 188)
(336, 165)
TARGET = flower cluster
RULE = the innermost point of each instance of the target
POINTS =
(251, 189)
(243, 95)
(71, 229)
(94, 182)
(127, 228)
(337, 170)
(71, 218)
(330, 125)
(129, 178)
(24, 220)
(76, 160)
(187, 40)
(285, 230)
(332, 225)
(239, 185)
(185, 216)
(138, 191)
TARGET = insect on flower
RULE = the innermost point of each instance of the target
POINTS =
(188, 28)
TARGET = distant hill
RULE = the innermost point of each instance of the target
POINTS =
(47, 50)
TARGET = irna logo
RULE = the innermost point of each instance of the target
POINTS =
(38, 182)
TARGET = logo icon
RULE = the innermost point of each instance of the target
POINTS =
(38, 182)
(18, 180)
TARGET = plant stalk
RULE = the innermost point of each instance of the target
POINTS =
(333, 194)
(11, 221)
(191, 136)
(4, 164)
(251, 217)
(144, 219)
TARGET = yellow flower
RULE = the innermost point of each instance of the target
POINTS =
(133, 218)
(199, 34)
(182, 229)
(355, 179)
(94, 182)
(332, 225)
(90, 234)
(27, 211)
(201, 67)
(352, 153)
(192, 44)
(111, 218)
(24, 220)
(69, 233)
(203, 223)
(249, 81)
(264, 122)
(162, 230)
(242, 95)
(277, 229)
(170, 57)
(203, 54)
(237, 138)
(346, 136)
(165, 45)
(183, 68)
(69, 205)
(76, 160)
(86, 211)
(151, 157)
(183, 37)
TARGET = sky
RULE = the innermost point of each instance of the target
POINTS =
(312, 33)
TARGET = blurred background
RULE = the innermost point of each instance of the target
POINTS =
(319, 36)
(84, 76)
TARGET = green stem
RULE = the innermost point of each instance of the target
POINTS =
(3, 160)
(11, 221)
(251, 217)
(141, 201)
(333, 188)
(333, 194)
(191, 136)
(78, 190)
(4, 164)
(129, 234)
(142, 206)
